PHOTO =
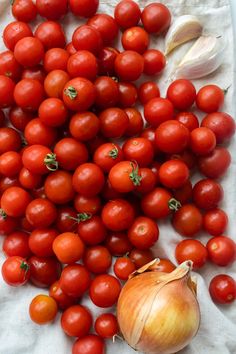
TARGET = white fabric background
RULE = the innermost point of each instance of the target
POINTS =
(217, 334)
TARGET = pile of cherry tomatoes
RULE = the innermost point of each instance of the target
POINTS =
(72, 197)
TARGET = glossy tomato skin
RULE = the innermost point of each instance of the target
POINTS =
(135, 126)
(127, 13)
(222, 125)
(58, 187)
(156, 203)
(64, 222)
(154, 62)
(202, 141)
(143, 233)
(207, 194)
(10, 163)
(89, 344)
(41, 213)
(51, 34)
(44, 271)
(37, 133)
(41, 240)
(97, 259)
(106, 325)
(118, 243)
(35, 73)
(16, 244)
(63, 300)
(19, 118)
(140, 150)
(24, 10)
(107, 155)
(222, 250)
(83, 64)
(158, 110)
(92, 231)
(104, 290)
(29, 51)
(123, 267)
(216, 164)
(55, 82)
(113, 122)
(124, 176)
(76, 321)
(53, 112)
(68, 247)
(7, 87)
(215, 221)
(75, 280)
(147, 91)
(148, 180)
(187, 221)
(118, 215)
(222, 289)
(135, 38)
(192, 250)
(87, 38)
(8, 224)
(84, 126)
(15, 31)
(127, 94)
(173, 174)
(106, 60)
(141, 257)
(210, 98)
(14, 201)
(10, 140)
(106, 26)
(87, 205)
(52, 10)
(9, 65)
(79, 94)
(88, 179)
(129, 65)
(15, 271)
(107, 92)
(182, 94)
(84, 8)
(156, 18)
(43, 309)
(29, 94)
(188, 119)
(33, 159)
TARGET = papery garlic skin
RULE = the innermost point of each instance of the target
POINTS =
(203, 58)
(182, 30)
(158, 313)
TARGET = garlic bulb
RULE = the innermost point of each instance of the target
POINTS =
(158, 312)
(204, 57)
(183, 29)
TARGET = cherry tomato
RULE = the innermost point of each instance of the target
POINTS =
(106, 26)
(14, 201)
(53, 9)
(104, 290)
(187, 221)
(41, 212)
(64, 221)
(97, 259)
(87, 38)
(188, 119)
(16, 244)
(63, 300)
(52, 112)
(84, 126)
(222, 289)
(147, 182)
(154, 62)
(75, 280)
(202, 141)
(55, 59)
(143, 233)
(87, 205)
(35, 73)
(41, 240)
(165, 266)
(29, 51)
(79, 94)
(58, 187)
(118, 244)
(107, 155)
(129, 65)
(215, 164)
(117, 215)
(156, 204)
(135, 126)
(70, 153)
(84, 8)
(106, 60)
(89, 344)
(44, 271)
(106, 325)
(10, 163)
(139, 150)
(88, 179)
(173, 174)
(84, 64)
(207, 194)
(51, 35)
(37, 133)
(185, 156)
(156, 18)
(185, 193)
(171, 137)
(136, 39)
(221, 250)
(9, 65)
(114, 122)
(15, 271)
(15, 31)
(210, 98)
(222, 125)
(70, 48)
(123, 267)
(24, 10)
(76, 321)
(29, 94)
(19, 118)
(192, 250)
(147, 91)
(158, 110)
(68, 247)
(8, 224)
(182, 94)
(215, 222)
(127, 13)
(39, 159)
(127, 94)
(43, 309)
(124, 176)
(7, 87)
(107, 92)
(55, 82)
(91, 229)
(141, 257)
(10, 140)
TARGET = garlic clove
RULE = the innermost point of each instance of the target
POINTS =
(183, 29)
(204, 57)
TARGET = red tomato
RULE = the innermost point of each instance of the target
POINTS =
(53, 9)
(188, 119)
(139, 150)
(84, 126)
(156, 18)
(65, 221)
(149, 133)
(202, 141)
(156, 204)
(88, 179)
(129, 65)
(10, 163)
(108, 192)
(114, 122)
(91, 229)
(97, 259)
(87, 38)
(7, 223)
(106, 325)
(68, 247)
(55, 82)
(39, 159)
(14, 201)
(41, 213)
(135, 38)
(123, 267)
(143, 233)
(10, 140)
(106, 60)
(15, 271)
(89, 344)
(9, 66)
(70, 48)
(7, 87)
(216, 164)
(117, 215)
(76, 321)
(124, 176)
(154, 62)
(222, 125)
(44, 271)
(215, 222)
(75, 280)
(83, 64)
(53, 112)
(104, 290)
(187, 221)
(222, 289)
(210, 98)
(141, 257)
(158, 110)
(29, 94)
(107, 92)
(171, 137)
(19, 118)
(29, 51)
(24, 10)
(118, 244)
(185, 156)
(107, 155)
(63, 300)
(147, 91)
(15, 31)
(182, 94)
(207, 194)
(192, 250)
(37, 133)
(106, 26)
(91, 205)
(127, 13)
(165, 266)
(58, 187)
(79, 94)
(55, 59)
(127, 94)
(43, 309)
(16, 244)
(41, 240)
(35, 73)
(135, 126)
(173, 174)
(51, 35)
(148, 180)
(84, 8)
(221, 250)
(70, 153)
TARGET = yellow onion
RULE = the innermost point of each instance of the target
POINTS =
(158, 313)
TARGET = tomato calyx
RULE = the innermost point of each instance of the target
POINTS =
(174, 204)
(24, 266)
(134, 176)
(71, 92)
(51, 162)
(114, 78)
(226, 90)
(3, 214)
(113, 153)
(81, 217)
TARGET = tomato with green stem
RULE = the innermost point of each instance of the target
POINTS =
(8, 224)
(15, 271)
(75, 280)
(107, 155)
(158, 203)
(222, 289)
(91, 228)
(89, 205)
(125, 176)
(43, 309)
(64, 221)
(148, 180)
(39, 159)
(54, 83)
